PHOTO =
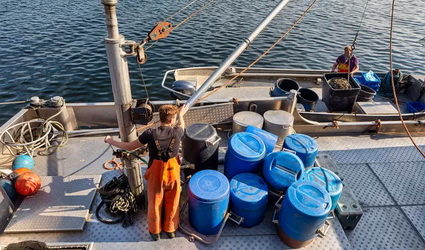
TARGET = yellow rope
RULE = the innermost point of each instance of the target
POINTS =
(392, 83)
(261, 56)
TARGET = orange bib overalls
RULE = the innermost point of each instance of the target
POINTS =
(163, 195)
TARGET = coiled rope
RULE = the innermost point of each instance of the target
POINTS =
(35, 134)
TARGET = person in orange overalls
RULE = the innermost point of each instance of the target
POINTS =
(163, 173)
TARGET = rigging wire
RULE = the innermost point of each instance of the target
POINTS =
(261, 56)
(193, 14)
(143, 80)
(168, 18)
(353, 46)
(393, 85)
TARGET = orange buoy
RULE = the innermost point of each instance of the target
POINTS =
(28, 183)
(22, 170)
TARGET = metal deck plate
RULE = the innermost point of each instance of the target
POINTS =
(404, 180)
(367, 188)
(61, 204)
(371, 148)
(384, 228)
(416, 216)
(80, 156)
(377, 107)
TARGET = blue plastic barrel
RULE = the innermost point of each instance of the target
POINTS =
(328, 180)
(244, 154)
(281, 169)
(268, 138)
(304, 146)
(248, 198)
(305, 208)
(208, 201)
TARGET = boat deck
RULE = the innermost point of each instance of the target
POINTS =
(385, 173)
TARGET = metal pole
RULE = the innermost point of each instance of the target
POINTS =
(118, 69)
(230, 59)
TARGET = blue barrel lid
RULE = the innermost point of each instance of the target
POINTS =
(309, 198)
(247, 146)
(301, 143)
(248, 188)
(281, 169)
(326, 178)
(209, 185)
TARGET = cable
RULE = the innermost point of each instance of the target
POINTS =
(393, 85)
(193, 14)
(143, 80)
(361, 21)
(261, 56)
(168, 18)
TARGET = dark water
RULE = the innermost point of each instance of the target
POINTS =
(57, 47)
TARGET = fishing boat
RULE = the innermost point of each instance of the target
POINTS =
(376, 161)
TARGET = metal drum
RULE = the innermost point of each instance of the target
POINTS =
(208, 201)
(304, 210)
(244, 154)
(304, 146)
(242, 119)
(200, 146)
(328, 180)
(248, 198)
(278, 122)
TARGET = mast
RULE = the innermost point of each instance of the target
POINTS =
(232, 57)
(118, 69)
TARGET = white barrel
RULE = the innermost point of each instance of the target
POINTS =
(243, 119)
(278, 122)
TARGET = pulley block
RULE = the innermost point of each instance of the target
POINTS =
(160, 30)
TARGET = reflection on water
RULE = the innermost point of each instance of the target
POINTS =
(57, 47)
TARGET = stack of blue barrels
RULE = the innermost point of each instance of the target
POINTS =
(251, 170)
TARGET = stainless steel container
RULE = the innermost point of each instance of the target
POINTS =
(243, 119)
(278, 122)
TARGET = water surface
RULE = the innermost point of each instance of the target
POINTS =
(56, 47)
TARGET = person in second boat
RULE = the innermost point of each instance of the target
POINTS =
(346, 62)
(163, 173)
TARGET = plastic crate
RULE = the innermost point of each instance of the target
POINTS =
(339, 99)
(414, 107)
(360, 79)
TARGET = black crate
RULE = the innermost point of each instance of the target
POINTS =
(339, 99)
